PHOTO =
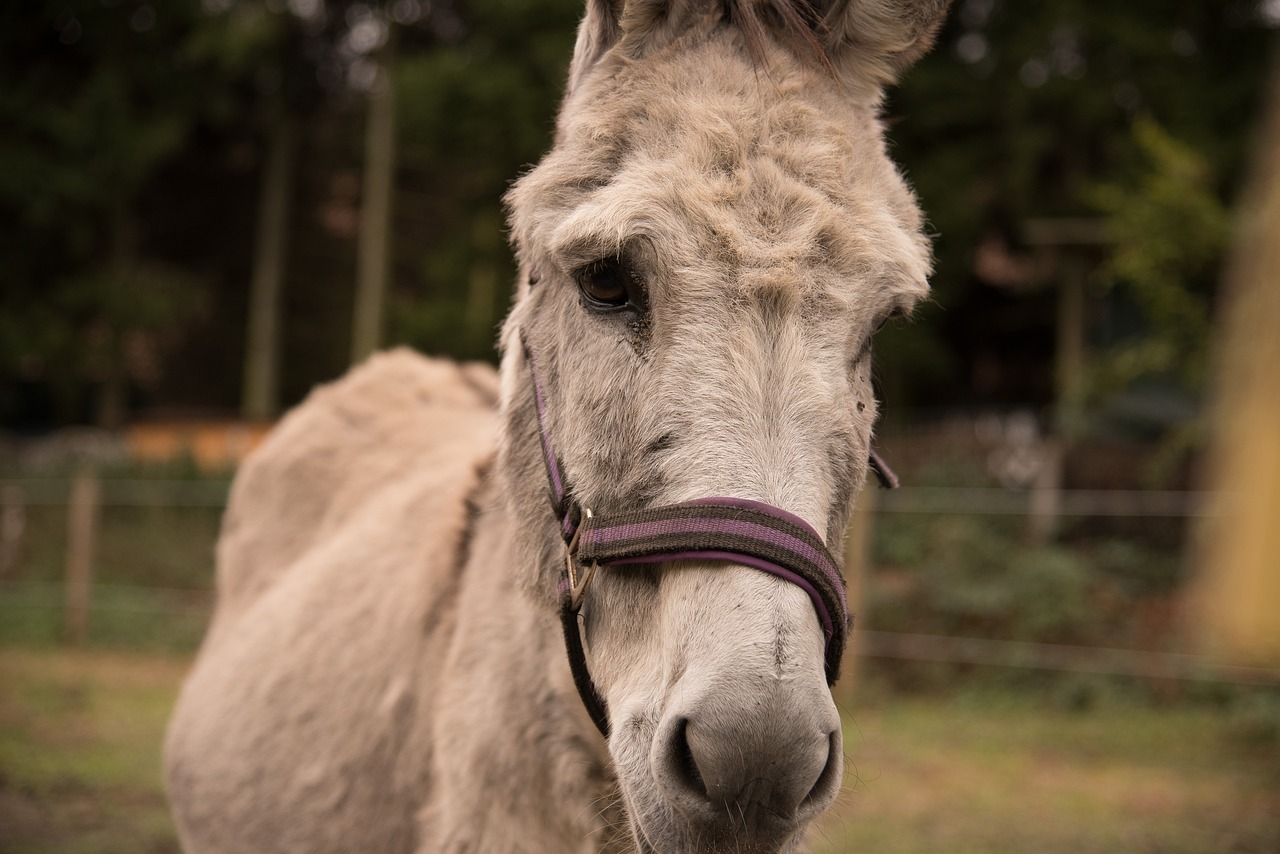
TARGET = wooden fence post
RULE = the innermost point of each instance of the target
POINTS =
(13, 524)
(857, 573)
(1044, 504)
(82, 528)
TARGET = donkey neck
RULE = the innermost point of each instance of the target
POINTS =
(512, 717)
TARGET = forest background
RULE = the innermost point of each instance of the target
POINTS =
(137, 184)
(208, 207)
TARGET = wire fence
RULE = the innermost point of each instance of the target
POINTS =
(1101, 661)
(50, 596)
(132, 492)
(1071, 502)
(139, 492)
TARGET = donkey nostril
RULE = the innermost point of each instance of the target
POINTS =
(683, 762)
(828, 782)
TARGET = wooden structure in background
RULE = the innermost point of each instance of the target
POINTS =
(212, 445)
(1068, 249)
(1239, 553)
(857, 574)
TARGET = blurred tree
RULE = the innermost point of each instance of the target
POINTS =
(290, 99)
(475, 111)
(352, 45)
(261, 392)
(376, 204)
(1019, 113)
(1171, 231)
(95, 97)
(1239, 550)
(135, 131)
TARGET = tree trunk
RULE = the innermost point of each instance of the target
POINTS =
(110, 403)
(374, 248)
(1069, 359)
(261, 392)
(482, 281)
(1239, 551)
(109, 407)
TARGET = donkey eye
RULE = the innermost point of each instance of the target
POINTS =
(604, 284)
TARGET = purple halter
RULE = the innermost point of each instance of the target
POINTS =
(742, 532)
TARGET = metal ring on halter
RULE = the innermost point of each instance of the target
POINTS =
(578, 583)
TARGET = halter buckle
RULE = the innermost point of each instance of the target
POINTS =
(578, 581)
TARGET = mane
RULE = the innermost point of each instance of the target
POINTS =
(797, 24)
(868, 43)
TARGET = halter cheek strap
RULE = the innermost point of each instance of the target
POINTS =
(735, 530)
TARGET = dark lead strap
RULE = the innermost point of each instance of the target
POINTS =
(738, 531)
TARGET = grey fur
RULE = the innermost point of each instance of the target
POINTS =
(384, 671)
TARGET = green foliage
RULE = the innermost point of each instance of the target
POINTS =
(110, 107)
(972, 576)
(472, 116)
(95, 99)
(1020, 112)
(977, 575)
(80, 745)
(1170, 230)
(1139, 570)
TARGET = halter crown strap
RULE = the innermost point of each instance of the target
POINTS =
(739, 531)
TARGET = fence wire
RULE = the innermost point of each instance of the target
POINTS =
(179, 601)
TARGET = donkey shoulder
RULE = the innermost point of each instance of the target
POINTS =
(396, 416)
(340, 559)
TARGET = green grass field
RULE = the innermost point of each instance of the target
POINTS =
(988, 771)
(993, 772)
(80, 737)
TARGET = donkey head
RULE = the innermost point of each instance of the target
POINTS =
(706, 253)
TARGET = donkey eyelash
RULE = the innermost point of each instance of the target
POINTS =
(609, 285)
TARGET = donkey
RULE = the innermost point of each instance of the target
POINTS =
(684, 401)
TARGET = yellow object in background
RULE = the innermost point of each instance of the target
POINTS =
(1239, 552)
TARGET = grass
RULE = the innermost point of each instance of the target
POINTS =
(987, 771)
(121, 616)
(997, 772)
(80, 737)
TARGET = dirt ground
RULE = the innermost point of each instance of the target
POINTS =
(988, 771)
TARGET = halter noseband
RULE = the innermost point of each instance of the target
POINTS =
(742, 532)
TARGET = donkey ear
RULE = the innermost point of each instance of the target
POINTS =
(598, 32)
(875, 41)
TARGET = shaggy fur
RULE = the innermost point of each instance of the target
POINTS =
(384, 671)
